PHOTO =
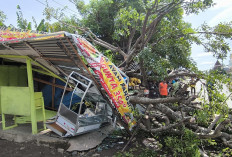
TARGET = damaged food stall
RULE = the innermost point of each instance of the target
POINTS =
(86, 88)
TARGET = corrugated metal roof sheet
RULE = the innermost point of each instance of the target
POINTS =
(54, 51)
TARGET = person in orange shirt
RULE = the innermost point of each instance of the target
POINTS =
(163, 89)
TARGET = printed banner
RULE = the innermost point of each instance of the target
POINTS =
(7, 35)
(110, 78)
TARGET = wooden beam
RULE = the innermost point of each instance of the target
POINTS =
(67, 52)
(41, 55)
(55, 85)
(55, 59)
(53, 92)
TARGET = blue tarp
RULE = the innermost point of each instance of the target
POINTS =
(47, 94)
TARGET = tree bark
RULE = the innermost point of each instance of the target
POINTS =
(165, 128)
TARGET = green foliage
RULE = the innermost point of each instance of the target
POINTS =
(117, 132)
(155, 63)
(217, 105)
(42, 26)
(125, 20)
(109, 54)
(120, 22)
(203, 117)
(21, 22)
(211, 142)
(185, 146)
(147, 153)
(24, 24)
(199, 6)
(214, 40)
(64, 23)
(2, 18)
(29, 26)
(169, 51)
(226, 152)
(137, 153)
(124, 154)
(98, 16)
(159, 63)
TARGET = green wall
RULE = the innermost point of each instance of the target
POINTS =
(13, 76)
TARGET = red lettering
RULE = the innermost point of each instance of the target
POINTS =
(119, 97)
(112, 79)
(107, 73)
(113, 85)
(103, 66)
(97, 72)
(105, 70)
(117, 93)
(120, 101)
(94, 65)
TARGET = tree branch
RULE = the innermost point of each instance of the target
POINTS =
(179, 74)
(139, 44)
(165, 128)
(160, 117)
(167, 111)
(216, 133)
(144, 100)
(108, 46)
(213, 123)
(143, 72)
(130, 39)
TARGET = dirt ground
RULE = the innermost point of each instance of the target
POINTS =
(26, 149)
(109, 148)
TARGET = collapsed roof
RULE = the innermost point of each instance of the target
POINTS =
(55, 51)
(62, 53)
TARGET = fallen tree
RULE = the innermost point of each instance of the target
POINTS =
(149, 40)
(172, 114)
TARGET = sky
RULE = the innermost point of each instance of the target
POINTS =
(221, 12)
(33, 8)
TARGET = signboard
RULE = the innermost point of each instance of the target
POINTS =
(110, 78)
(15, 36)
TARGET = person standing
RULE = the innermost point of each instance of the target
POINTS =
(192, 85)
(176, 86)
(170, 88)
(163, 89)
